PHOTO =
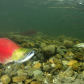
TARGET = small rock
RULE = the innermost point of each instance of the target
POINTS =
(58, 56)
(79, 45)
(1, 83)
(53, 65)
(28, 81)
(20, 82)
(49, 50)
(13, 83)
(37, 72)
(60, 51)
(5, 79)
(51, 60)
(70, 63)
(56, 61)
(34, 82)
(46, 81)
(37, 65)
(43, 45)
(76, 66)
(68, 43)
(19, 78)
(23, 66)
(21, 72)
(38, 77)
(83, 73)
(13, 73)
(64, 62)
(45, 67)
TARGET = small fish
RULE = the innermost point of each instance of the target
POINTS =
(11, 52)
(29, 32)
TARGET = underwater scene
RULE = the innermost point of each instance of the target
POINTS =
(41, 42)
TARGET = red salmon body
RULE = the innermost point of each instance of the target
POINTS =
(7, 47)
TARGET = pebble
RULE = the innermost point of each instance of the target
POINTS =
(37, 72)
(21, 72)
(37, 65)
(49, 50)
(35, 82)
(68, 43)
(38, 78)
(60, 51)
(5, 79)
(19, 78)
(64, 62)
(53, 63)
(28, 81)
(81, 45)
(70, 63)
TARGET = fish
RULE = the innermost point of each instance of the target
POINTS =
(11, 52)
(29, 32)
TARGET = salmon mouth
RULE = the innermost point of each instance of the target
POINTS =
(27, 57)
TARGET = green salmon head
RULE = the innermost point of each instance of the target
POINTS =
(22, 55)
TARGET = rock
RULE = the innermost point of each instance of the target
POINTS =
(60, 51)
(46, 66)
(5, 79)
(53, 65)
(19, 78)
(38, 78)
(42, 45)
(58, 56)
(49, 50)
(34, 82)
(13, 83)
(51, 61)
(76, 66)
(57, 67)
(27, 67)
(0, 73)
(70, 63)
(30, 71)
(22, 66)
(79, 45)
(37, 65)
(68, 43)
(1, 83)
(37, 72)
(64, 62)
(56, 61)
(28, 81)
(13, 73)
(69, 55)
(46, 81)
(21, 72)
(20, 82)
(79, 56)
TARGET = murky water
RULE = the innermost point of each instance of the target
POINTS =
(51, 17)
